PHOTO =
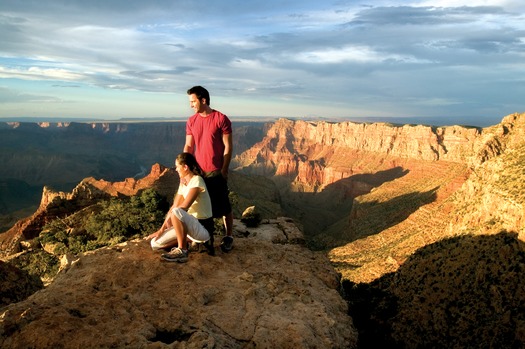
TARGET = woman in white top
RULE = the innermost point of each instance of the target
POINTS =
(191, 203)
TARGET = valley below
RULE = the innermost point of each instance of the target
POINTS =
(423, 226)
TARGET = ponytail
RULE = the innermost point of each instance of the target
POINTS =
(190, 161)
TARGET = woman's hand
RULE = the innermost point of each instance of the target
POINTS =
(154, 235)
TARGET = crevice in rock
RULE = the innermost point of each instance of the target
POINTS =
(169, 337)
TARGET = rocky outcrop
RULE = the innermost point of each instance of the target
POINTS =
(315, 152)
(460, 292)
(16, 284)
(493, 197)
(88, 192)
(266, 293)
(445, 199)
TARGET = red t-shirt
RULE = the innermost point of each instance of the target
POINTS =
(207, 134)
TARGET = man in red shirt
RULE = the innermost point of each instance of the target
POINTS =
(209, 138)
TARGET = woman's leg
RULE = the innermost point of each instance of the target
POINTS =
(170, 234)
(193, 229)
(166, 239)
(179, 231)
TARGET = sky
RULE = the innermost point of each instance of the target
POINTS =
(115, 59)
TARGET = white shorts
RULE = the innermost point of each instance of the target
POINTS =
(194, 229)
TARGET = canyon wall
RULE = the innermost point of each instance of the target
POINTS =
(320, 167)
(316, 154)
(60, 155)
(406, 215)
(56, 153)
(388, 224)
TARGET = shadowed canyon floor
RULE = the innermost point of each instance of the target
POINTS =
(425, 225)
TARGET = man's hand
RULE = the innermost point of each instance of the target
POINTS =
(224, 173)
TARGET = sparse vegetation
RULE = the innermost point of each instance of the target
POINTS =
(511, 179)
(38, 263)
(121, 220)
(104, 224)
(461, 292)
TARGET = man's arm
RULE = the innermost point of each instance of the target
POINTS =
(189, 145)
(228, 149)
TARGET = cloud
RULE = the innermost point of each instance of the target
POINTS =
(345, 55)
(9, 96)
(426, 16)
(36, 73)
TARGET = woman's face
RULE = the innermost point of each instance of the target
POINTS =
(182, 170)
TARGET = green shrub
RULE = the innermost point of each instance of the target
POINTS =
(37, 263)
(121, 220)
(113, 221)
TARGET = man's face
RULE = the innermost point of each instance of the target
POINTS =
(196, 104)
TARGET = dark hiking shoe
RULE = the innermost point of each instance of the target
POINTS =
(194, 247)
(210, 249)
(176, 255)
(227, 244)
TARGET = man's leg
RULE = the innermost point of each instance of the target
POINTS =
(227, 241)
(220, 201)
(228, 223)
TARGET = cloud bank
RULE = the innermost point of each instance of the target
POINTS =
(338, 59)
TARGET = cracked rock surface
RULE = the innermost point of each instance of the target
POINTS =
(265, 293)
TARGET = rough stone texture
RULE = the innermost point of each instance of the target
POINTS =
(60, 204)
(313, 151)
(260, 295)
(461, 292)
(493, 197)
(287, 231)
(390, 223)
(16, 284)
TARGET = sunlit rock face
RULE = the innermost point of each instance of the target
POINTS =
(265, 293)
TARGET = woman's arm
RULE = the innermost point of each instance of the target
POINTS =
(186, 202)
(177, 201)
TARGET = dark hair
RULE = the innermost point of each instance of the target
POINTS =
(189, 160)
(201, 93)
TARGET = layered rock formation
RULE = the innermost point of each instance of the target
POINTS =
(493, 197)
(321, 167)
(60, 155)
(55, 205)
(387, 225)
(55, 154)
(408, 215)
(318, 152)
(266, 293)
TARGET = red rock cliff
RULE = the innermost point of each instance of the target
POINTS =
(318, 153)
